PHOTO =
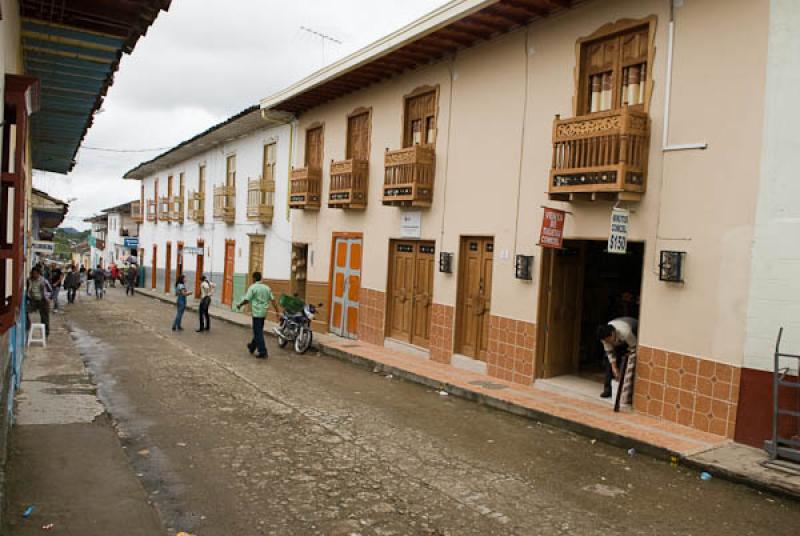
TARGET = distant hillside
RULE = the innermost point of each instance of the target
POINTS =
(64, 237)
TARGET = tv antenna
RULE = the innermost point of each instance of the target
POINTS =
(323, 37)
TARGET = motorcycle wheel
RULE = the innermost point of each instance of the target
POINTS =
(303, 341)
(281, 339)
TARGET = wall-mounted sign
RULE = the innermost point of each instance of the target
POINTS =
(43, 247)
(618, 236)
(131, 242)
(411, 224)
(192, 250)
(552, 235)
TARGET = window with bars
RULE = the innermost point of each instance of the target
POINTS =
(615, 68)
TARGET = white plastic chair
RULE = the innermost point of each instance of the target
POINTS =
(41, 337)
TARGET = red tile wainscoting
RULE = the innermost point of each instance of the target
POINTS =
(512, 347)
(371, 315)
(442, 325)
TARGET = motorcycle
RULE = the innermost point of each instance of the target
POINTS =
(296, 326)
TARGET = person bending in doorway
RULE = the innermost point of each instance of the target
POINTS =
(619, 340)
(259, 296)
(206, 291)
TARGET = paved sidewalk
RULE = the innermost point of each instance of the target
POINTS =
(645, 434)
(66, 460)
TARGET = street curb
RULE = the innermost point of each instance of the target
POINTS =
(585, 430)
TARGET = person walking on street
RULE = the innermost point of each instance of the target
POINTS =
(114, 274)
(181, 293)
(206, 291)
(71, 283)
(130, 279)
(56, 281)
(89, 281)
(99, 282)
(259, 296)
(37, 298)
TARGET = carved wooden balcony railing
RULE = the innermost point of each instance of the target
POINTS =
(602, 154)
(306, 188)
(260, 200)
(176, 209)
(225, 203)
(164, 208)
(137, 212)
(197, 206)
(408, 178)
(349, 180)
(152, 210)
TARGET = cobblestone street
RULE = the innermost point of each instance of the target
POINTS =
(226, 444)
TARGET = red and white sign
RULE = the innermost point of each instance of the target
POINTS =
(552, 228)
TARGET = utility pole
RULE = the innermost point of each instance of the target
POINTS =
(323, 37)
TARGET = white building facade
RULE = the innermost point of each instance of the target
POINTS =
(217, 205)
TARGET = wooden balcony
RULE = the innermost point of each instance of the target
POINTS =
(152, 210)
(306, 189)
(349, 181)
(408, 178)
(197, 207)
(225, 203)
(137, 211)
(164, 208)
(176, 209)
(260, 200)
(602, 155)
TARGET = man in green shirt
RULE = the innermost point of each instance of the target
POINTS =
(259, 296)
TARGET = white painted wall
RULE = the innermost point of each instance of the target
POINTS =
(249, 155)
(774, 298)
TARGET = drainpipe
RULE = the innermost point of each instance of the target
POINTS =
(668, 93)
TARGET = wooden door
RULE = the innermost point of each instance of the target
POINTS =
(314, 148)
(154, 275)
(411, 291)
(168, 269)
(345, 286)
(423, 294)
(227, 275)
(358, 136)
(256, 262)
(420, 119)
(474, 296)
(562, 288)
(401, 289)
(198, 273)
(179, 261)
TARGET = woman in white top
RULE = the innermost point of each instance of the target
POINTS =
(206, 291)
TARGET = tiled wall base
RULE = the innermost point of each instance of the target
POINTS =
(688, 390)
(512, 347)
(316, 293)
(442, 325)
(371, 313)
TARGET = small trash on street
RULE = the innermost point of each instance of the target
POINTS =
(49, 526)
(705, 476)
(631, 452)
(443, 393)
(593, 441)
(28, 511)
(144, 452)
(673, 461)
(184, 534)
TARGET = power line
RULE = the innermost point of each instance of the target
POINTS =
(110, 150)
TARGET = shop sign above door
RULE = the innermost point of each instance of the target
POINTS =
(411, 224)
(552, 235)
(618, 236)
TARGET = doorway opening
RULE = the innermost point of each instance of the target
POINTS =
(474, 296)
(297, 281)
(411, 267)
(583, 286)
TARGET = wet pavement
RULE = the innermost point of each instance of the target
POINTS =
(227, 444)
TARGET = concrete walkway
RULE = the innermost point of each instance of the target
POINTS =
(66, 461)
(655, 437)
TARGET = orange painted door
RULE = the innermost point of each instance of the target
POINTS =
(227, 282)
(168, 269)
(198, 274)
(346, 286)
(154, 275)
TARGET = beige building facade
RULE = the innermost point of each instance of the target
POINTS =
(662, 113)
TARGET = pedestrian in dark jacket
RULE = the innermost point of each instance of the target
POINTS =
(130, 279)
(72, 282)
(99, 282)
(37, 295)
(181, 293)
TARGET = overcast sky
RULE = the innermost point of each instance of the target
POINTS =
(201, 62)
